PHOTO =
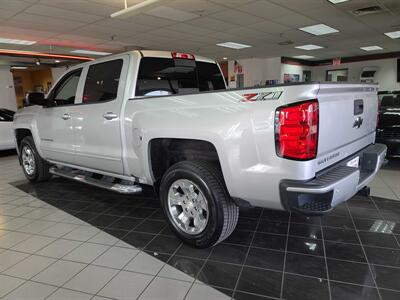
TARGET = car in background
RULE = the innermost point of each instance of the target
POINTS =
(388, 129)
(6, 129)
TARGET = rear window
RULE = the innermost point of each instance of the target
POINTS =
(167, 76)
(389, 99)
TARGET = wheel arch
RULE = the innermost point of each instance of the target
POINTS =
(164, 152)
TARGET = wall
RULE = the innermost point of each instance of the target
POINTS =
(31, 79)
(386, 76)
(256, 70)
(7, 92)
(42, 78)
(295, 69)
(57, 72)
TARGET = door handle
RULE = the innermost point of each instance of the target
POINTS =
(110, 116)
(66, 116)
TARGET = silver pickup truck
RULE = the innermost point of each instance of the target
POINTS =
(166, 119)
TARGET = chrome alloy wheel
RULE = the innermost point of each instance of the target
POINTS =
(188, 206)
(28, 160)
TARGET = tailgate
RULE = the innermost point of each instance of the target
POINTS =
(348, 115)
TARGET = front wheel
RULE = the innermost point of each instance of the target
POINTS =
(196, 203)
(34, 167)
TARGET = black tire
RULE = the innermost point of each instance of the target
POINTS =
(223, 213)
(41, 167)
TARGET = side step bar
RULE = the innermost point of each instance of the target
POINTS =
(115, 187)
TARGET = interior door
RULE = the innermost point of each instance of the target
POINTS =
(55, 123)
(97, 130)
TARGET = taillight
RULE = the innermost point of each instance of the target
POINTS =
(296, 130)
(182, 55)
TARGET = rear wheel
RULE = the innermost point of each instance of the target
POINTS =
(34, 167)
(196, 203)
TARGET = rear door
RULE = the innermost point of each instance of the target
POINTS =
(347, 120)
(98, 117)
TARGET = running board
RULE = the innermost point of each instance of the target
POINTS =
(115, 187)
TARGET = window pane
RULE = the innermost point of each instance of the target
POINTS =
(6, 115)
(166, 76)
(66, 90)
(210, 77)
(102, 81)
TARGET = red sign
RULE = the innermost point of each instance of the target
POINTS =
(336, 61)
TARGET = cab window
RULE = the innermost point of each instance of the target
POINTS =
(65, 91)
(102, 82)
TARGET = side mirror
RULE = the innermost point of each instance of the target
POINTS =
(36, 98)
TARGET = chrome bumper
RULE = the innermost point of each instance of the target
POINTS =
(333, 186)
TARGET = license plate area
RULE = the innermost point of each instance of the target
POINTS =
(354, 163)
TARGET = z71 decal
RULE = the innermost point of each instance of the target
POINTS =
(251, 97)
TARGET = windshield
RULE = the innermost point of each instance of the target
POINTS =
(167, 76)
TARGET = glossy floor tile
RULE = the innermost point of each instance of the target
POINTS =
(76, 241)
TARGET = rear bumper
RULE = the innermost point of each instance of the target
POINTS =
(333, 186)
(392, 143)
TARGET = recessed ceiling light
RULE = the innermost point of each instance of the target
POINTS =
(16, 42)
(393, 34)
(233, 45)
(319, 29)
(371, 48)
(304, 57)
(309, 47)
(19, 68)
(81, 51)
(57, 61)
(337, 1)
(224, 58)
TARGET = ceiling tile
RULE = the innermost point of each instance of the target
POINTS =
(269, 27)
(210, 23)
(264, 9)
(14, 5)
(236, 17)
(294, 20)
(43, 10)
(82, 6)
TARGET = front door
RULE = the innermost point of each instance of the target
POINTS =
(97, 119)
(55, 123)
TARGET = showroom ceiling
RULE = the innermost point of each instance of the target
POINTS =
(270, 27)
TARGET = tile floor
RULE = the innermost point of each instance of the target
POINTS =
(65, 240)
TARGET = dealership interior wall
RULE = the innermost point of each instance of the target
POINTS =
(258, 70)
(62, 239)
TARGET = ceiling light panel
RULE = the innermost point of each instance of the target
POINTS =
(89, 52)
(309, 47)
(233, 45)
(304, 57)
(337, 1)
(371, 48)
(319, 29)
(16, 42)
(393, 34)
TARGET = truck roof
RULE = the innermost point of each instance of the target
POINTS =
(167, 54)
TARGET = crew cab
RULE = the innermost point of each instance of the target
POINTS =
(166, 120)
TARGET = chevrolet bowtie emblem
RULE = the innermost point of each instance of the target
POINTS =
(358, 122)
